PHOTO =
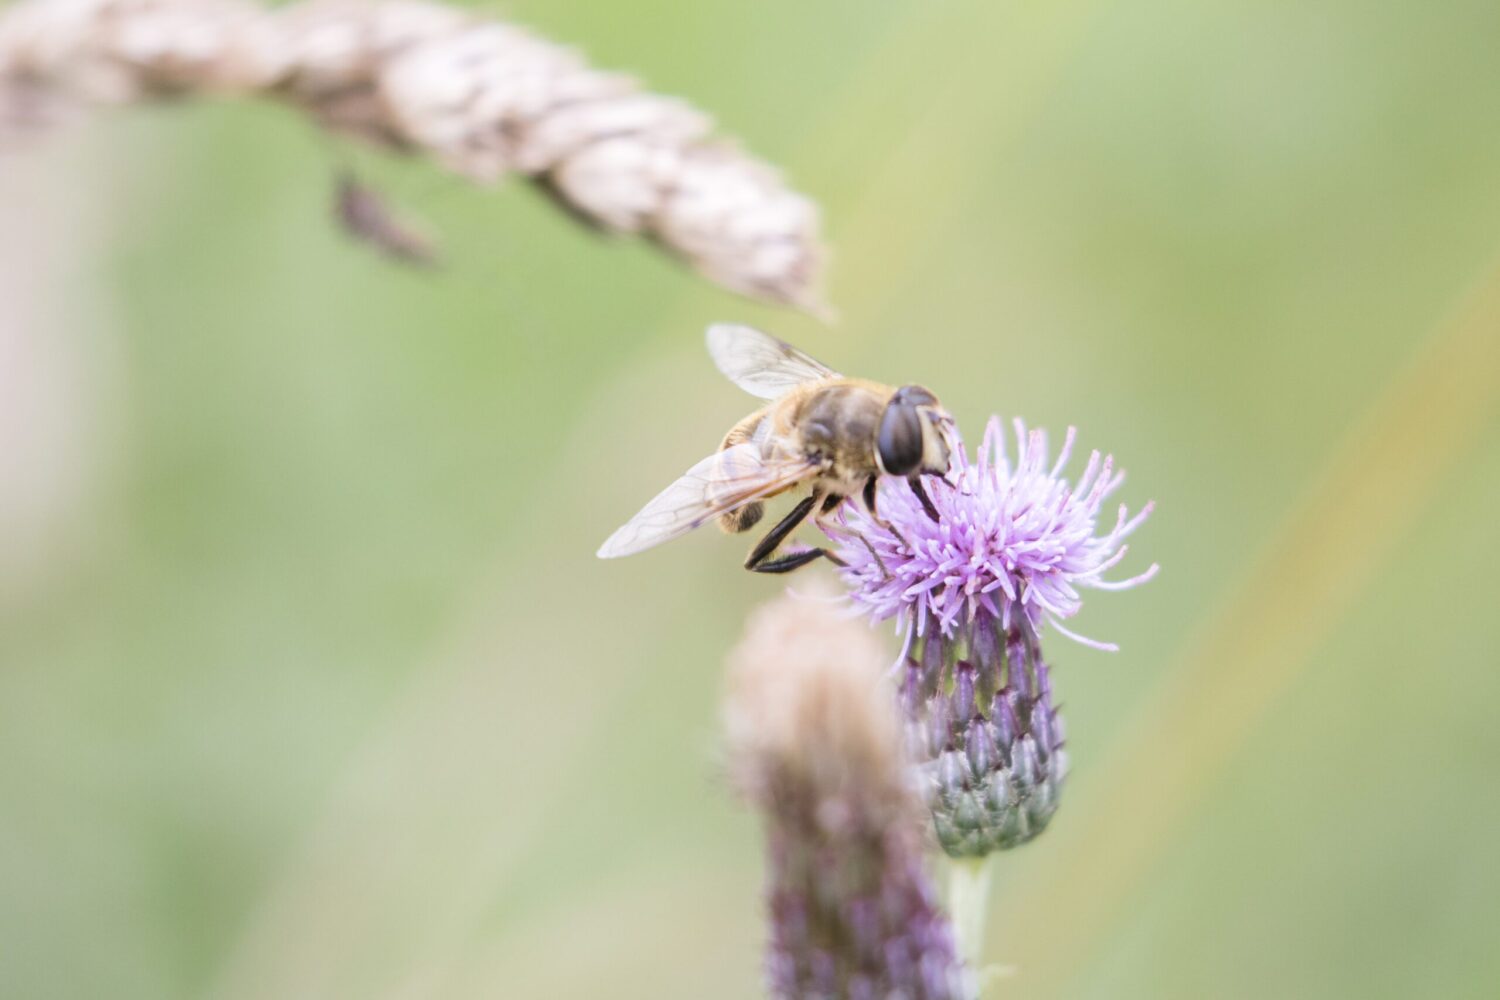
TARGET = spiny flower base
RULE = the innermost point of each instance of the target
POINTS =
(982, 722)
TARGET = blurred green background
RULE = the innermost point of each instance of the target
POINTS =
(311, 687)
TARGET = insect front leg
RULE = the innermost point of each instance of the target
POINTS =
(921, 491)
(868, 496)
(760, 560)
(830, 504)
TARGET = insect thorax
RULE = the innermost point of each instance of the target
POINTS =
(838, 423)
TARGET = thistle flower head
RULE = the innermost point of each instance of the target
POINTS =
(815, 743)
(1014, 540)
(1012, 546)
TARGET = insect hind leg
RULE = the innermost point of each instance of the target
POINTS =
(787, 563)
(760, 560)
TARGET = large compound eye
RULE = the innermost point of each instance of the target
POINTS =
(900, 441)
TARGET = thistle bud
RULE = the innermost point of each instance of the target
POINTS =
(815, 744)
(995, 761)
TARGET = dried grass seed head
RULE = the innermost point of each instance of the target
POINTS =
(481, 97)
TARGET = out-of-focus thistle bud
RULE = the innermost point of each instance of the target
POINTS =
(815, 743)
(972, 591)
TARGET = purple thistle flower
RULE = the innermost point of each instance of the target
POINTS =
(815, 743)
(1016, 543)
(972, 592)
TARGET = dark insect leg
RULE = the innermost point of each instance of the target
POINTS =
(786, 564)
(885, 574)
(869, 498)
(921, 492)
(759, 559)
(830, 504)
(829, 508)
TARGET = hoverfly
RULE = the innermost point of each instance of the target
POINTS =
(835, 434)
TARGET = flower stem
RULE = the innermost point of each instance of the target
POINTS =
(968, 904)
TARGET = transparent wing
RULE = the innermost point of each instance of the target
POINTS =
(722, 482)
(759, 363)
